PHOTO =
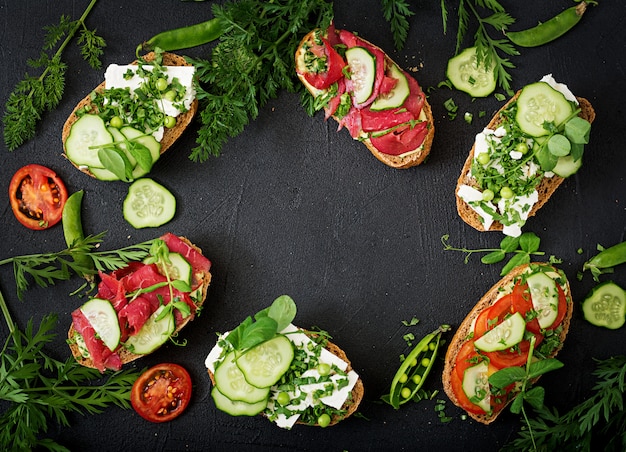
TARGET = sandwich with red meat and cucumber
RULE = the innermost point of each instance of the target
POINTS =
(527, 311)
(366, 92)
(268, 366)
(139, 307)
(522, 156)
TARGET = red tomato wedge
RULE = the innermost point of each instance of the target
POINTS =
(334, 66)
(37, 196)
(492, 316)
(162, 392)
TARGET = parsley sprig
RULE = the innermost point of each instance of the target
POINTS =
(251, 63)
(34, 95)
(36, 388)
(47, 268)
(490, 16)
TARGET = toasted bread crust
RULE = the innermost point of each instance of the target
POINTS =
(125, 355)
(546, 187)
(465, 329)
(352, 404)
(169, 135)
(399, 162)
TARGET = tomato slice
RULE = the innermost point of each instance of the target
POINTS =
(492, 316)
(517, 357)
(464, 402)
(37, 196)
(334, 66)
(562, 309)
(162, 392)
(522, 303)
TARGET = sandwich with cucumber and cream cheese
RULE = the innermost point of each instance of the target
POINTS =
(526, 315)
(366, 92)
(522, 156)
(139, 307)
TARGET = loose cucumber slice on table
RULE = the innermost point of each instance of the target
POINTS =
(466, 75)
(362, 72)
(545, 298)
(396, 97)
(230, 381)
(152, 334)
(148, 204)
(264, 364)
(88, 132)
(236, 407)
(476, 385)
(539, 103)
(507, 334)
(606, 306)
(103, 318)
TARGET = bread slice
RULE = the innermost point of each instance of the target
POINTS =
(126, 355)
(404, 161)
(169, 135)
(545, 189)
(466, 327)
(352, 403)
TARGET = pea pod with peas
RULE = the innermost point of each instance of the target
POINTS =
(184, 37)
(606, 259)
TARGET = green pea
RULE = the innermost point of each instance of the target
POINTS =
(521, 148)
(483, 158)
(488, 195)
(161, 84)
(405, 393)
(425, 362)
(169, 121)
(170, 95)
(323, 369)
(323, 420)
(506, 193)
(403, 378)
(116, 122)
(416, 379)
(283, 398)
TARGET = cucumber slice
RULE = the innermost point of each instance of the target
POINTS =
(507, 334)
(396, 97)
(178, 268)
(465, 74)
(539, 103)
(476, 385)
(120, 143)
(264, 364)
(148, 141)
(566, 166)
(362, 72)
(230, 381)
(606, 306)
(545, 298)
(234, 407)
(103, 174)
(148, 204)
(103, 318)
(88, 131)
(152, 334)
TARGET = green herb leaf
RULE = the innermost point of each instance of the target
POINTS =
(507, 376)
(494, 257)
(283, 310)
(258, 332)
(577, 130)
(535, 397)
(559, 145)
(542, 366)
(529, 242)
(518, 259)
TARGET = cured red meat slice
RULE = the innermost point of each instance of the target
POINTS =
(331, 108)
(402, 140)
(352, 122)
(112, 289)
(134, 315)
(197, 260)
(98, 352)
(373, 121)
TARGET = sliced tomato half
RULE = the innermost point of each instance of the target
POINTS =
(492, 316)
(334, 66)
(37, 196)
(162, 392)
(522, 303)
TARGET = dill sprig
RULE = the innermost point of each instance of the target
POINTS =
(34, 95)
(47, 268)
(397, 12)
(490, 16)
(36, 388)
(251, 63)
(599, 422)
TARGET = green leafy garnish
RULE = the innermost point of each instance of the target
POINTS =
(34, 95)
(397, 12)
(522, 247)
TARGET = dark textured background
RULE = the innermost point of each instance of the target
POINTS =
(293, 207)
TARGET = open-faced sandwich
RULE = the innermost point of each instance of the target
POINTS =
(291, 376)
(532, 303)
(139, 307)
(120, 129)
(522, 156)
(366, 92)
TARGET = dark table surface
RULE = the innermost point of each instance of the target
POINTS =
(293, 207)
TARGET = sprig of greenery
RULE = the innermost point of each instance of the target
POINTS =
(47, 268)
(36, 388)
(34, 95)
(251, 63)
(600, 418)
(523, 247)
(488, 48)
(397, 12)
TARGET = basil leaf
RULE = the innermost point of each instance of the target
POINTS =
(546, 159)
(141, 153)
(258, 332)
(283, 311)
(116, 161)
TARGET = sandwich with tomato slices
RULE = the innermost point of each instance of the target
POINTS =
(366, 92)
(140, 306)
(532, 304)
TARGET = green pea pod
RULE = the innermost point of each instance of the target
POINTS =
(413, 371)
(184, 37)
(73, 232)
(549, 30)
(605, 260)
